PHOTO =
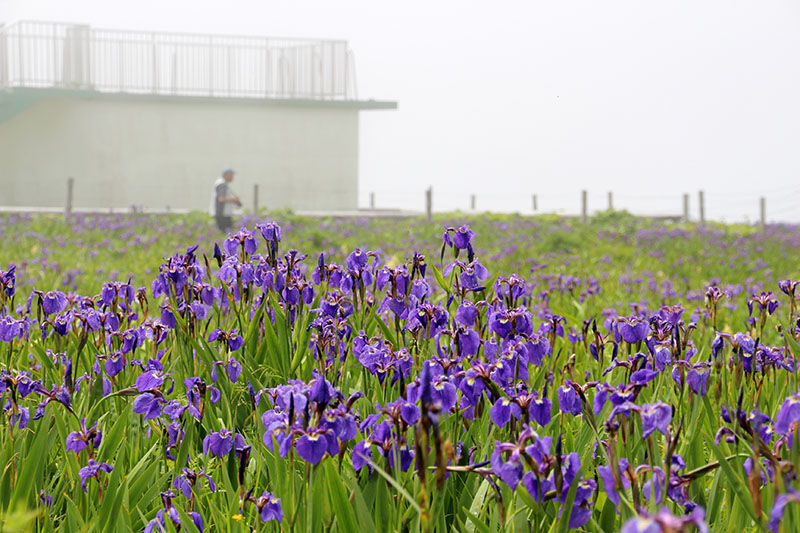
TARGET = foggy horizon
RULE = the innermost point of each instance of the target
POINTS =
(646, 101)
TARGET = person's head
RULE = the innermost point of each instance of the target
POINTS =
(227, 174)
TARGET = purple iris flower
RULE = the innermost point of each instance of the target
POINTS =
(54, 302)
(641, 524)
(537, 487)
(466, 314)
(633, 329)
(509, 470)
(234, 369)
(92, 470)
(78, 440)
(643, 376)
(662, 357)
(269, 507)
(61, 323)
(357, 260)
(150, 380)
(568, 399)
(406, 456)
(788, 414)
(343, 424)
(541, 409)
(502, 410)
(500, 323)
(653, 487)
(581, 508)
(321, 392)
(462, 237)
(671, 313)
(655, 417)
(221, 443)
(472, 275)
(21, 418)
(362, 454)
(697, 378)
(313, 445)
(469, 342)
(607, 477)
(11, 329)
(189, 479)
(149, 405)
(243, 238)
(271, 232)
(233, 340)
(664, 521)
(158, 524)
(8, 279)
(538, 348)
(779, 507)
(114, 364)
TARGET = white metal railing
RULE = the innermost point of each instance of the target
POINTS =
(52, 54)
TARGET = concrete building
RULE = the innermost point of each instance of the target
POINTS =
(150, 119)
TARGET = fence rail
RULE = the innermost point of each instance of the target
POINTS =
(51, 54)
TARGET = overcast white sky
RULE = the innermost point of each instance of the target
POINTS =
(649, 99)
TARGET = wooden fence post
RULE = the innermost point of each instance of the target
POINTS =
(584, 206)
(255, 198)
(702, 199)
(685, 207)
(429, 202)
(70, 187)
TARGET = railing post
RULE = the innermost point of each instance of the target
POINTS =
(429, 202)
(535, 203)
(255, 198)
(210, 66)
(685, 207)
(155, 64)
(4, 60)
(701, 198)
(472, 202)
(610, 201)
(584, 206)
(70, 187)
(372, 200)
(763, 212)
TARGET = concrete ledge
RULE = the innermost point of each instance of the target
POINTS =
(351, 213)
(32, 94)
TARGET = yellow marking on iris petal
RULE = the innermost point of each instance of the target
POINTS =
(237, 517)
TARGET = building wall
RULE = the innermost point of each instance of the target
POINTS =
(155, 153)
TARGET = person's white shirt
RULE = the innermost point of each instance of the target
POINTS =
(226, 207)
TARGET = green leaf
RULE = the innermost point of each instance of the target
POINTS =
(341, 505)
(362, 511)
(386, 330)
(563, 523)
(399, 488)
(735, 483)
(30, 472)
(476, 523)
(609, 516)
(477, 504)
(113, 438)
(440, 279)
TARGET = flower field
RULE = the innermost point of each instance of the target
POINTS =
(479, 374)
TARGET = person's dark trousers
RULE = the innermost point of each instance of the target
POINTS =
(224, 223)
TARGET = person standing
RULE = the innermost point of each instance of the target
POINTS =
(224, 200)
